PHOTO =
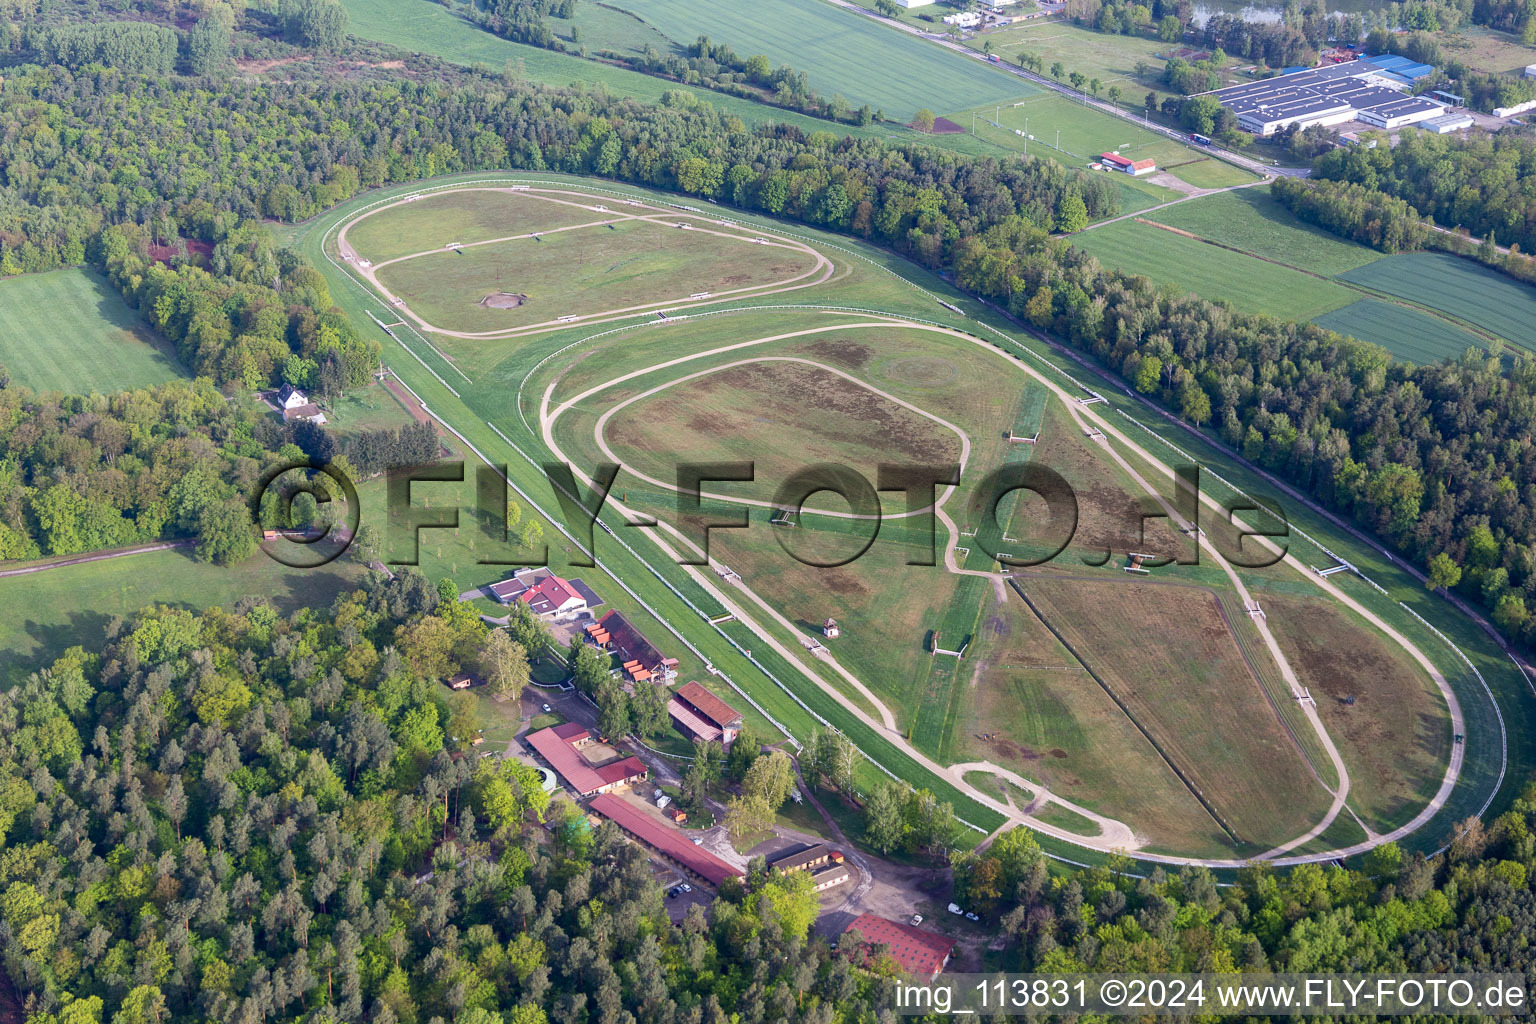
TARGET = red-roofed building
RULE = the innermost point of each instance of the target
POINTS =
(1135, 168)
(700, 715)
(560, 747)
(918, 952)
(665, 840)
(635, 652)
(546, 595)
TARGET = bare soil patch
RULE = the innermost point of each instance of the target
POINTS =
(503, 300)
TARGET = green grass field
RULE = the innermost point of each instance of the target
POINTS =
(366, 408)
(1459, 287)
(1056, 126)
(604, 28)
(1110, 58)
(473, 215)
(1407, 333)
(71, 605)
(843, 52)
(587, 271)
(69, 331)
(1211, 272)
(1252, 221)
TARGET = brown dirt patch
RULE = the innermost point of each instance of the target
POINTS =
(847, 354)
(503, 300)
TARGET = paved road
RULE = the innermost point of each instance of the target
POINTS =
(101, 556)
(1246, 162)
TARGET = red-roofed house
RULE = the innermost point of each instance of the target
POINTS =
(700, 715)
(918, 952)
(665, 840)
(561, 747)
(546, 595)
(1135, 168)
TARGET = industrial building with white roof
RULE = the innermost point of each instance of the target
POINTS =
(1368, 89)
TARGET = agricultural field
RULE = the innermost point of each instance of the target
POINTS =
(466, 216)
(1251, 220)
(1189, 265)
(602, 27)
(51, 616)
(843, 53)
(1407, 333)
(1460, 287)
(622, 265)
(69, 331)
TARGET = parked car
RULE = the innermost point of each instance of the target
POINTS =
(545, 707)
(954, 908)
(672, 892)
(685, 887)
(969, 916)
(917, 919)
(697, 841)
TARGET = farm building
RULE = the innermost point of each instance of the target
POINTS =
(668, 842)
(829, 876)
(1135, 168)
(812, 857)
(1447, 124)
(561, 746)
(1369, 89)
(918, 952)
(963, 19)
(641, 660)
(463, 681)
(700, 715)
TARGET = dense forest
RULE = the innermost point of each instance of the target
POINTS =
(1484, 184)
(237, 816)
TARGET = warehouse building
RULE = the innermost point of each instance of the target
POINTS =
(1447, 124)
(1370, 89)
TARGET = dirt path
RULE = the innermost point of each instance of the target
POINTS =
(100, 556)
